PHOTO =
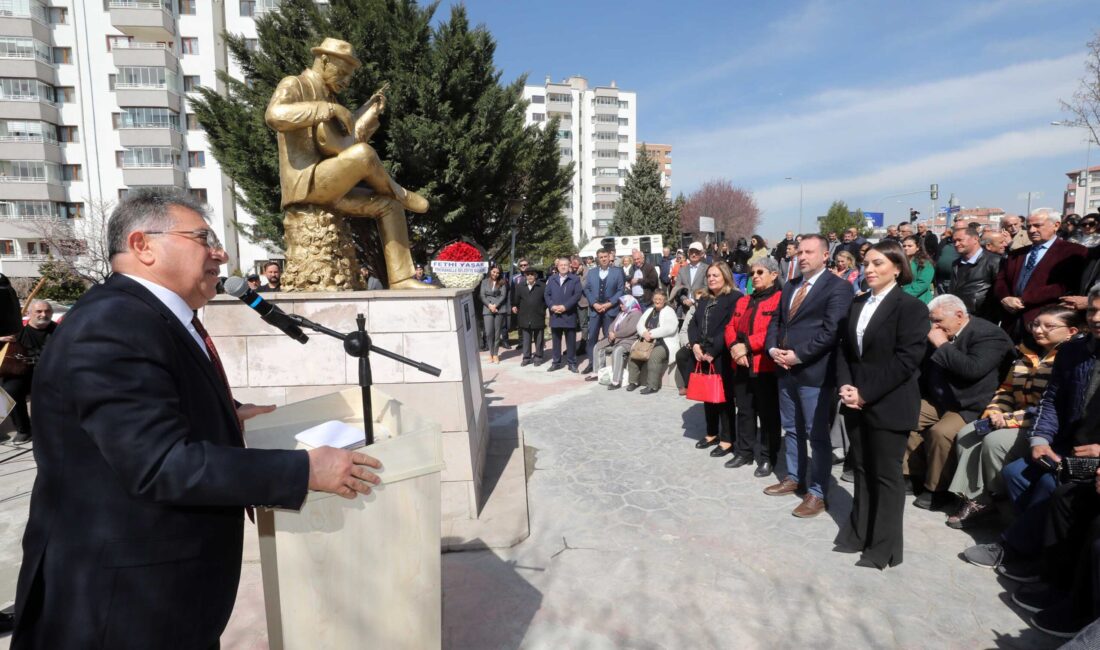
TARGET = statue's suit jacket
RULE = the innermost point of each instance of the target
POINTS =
(297, 105)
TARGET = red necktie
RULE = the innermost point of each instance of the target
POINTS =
(217, 361)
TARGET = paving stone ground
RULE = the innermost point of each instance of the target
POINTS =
(639, 540)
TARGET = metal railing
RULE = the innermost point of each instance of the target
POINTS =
(140, 86)
(27, 138)
(129, 164)
(174, 127)
(23, 179)
(136, 4)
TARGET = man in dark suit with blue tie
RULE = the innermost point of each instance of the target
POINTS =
(602, 286)
(136, 517)
(802, 340)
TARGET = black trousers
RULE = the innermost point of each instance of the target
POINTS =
(20, 389)
(570, 336)
(756, 397)
(1071, 547)
(875, 525)
(529, 337)
(714, 414)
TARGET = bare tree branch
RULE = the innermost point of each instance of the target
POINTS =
(1085, 104)
(733, 209)
(80, 243)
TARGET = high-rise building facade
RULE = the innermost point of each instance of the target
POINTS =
(1082, 194)
(598, 133)
(662, 154)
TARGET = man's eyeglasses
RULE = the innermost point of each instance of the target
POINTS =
(204, 236)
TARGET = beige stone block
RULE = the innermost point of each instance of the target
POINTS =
(456, 457)
(455, 500)
(269, 395)
(232, 350)
(441, 402)
(334, 314)
(383, 370)
(299, 393)
(438, 349)
(281, 361)
(235, 319)
(423, 315)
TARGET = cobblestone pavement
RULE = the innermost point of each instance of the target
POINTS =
(639, 540)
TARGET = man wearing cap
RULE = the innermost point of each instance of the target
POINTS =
(299, 106)
(530, 311)
(253, 281)
(690, 277)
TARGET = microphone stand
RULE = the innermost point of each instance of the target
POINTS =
(358, 344)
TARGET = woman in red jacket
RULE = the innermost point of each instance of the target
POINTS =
(754, 384)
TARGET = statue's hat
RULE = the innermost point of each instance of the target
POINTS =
(336, 47)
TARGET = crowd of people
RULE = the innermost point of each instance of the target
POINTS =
(959, 370)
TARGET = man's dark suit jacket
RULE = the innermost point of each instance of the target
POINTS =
(650, 282)
(530, 304)
(1057, 274)
(887, 372)
(961, 375)
(1091, 273)
(136, 516)
(568, 294)
(813, 332)
(973, 283)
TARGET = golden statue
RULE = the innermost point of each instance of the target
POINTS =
(327, 172)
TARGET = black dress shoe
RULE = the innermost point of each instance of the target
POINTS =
(591, 378)
(630, 388)
(704, 443)
(718, 451)
(554, 366)
(648, 391)
(614, 386)
(539, 362)
(869, 564)
(763, 469)
(573, 369)
(587, 368)
(738, 460)
(525, 362)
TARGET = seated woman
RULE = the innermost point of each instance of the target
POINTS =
(657, 325)
(755, 391)
(982, 457)
(620, 336)
(923, 268)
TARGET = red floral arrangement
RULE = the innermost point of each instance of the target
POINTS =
(459, 252)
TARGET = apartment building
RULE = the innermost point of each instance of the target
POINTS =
(95, 101)
(1082, 194)
(662, 153)
(598, 133)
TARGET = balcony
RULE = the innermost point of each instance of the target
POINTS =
(156, 96)
(23, 188)
(605, 127)
(162, 176)
(606, 109)
(26, 266)
(553, 106)
(145, 20)
(151, 136)
(16, 24)
(144, 54)
(28, 108)
(23, 147)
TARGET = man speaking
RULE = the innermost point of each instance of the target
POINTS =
(136, 517)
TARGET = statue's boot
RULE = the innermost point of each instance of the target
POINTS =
(412, 201)
(393, 230)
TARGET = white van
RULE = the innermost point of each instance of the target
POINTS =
(651, 245)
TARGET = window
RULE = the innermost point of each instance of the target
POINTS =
(605, 119)
(140, 77)
(145, 117)
(71, 210)
(196, 159)
(560, 97)
(66, 95)
(248, 8)
(538, 99)
(148, 157)
(59, 15)
(119, 158)
(566, 152)
(191, 83)
(198, 193)
(26, 210)
(29, 171)
(26, 90)
(601, 135)
(606, 101)
(565, 135)
(189, 45)
(624, 104)
(122, 193)
(624, 121)
(27, 131)
(118, 41)
(112, 81)
(607, 153)
(115, 118)
(538, 117)
(18, 47)
(193, 123)
(624, 138)
(624, 155)
(62, 55)
(23, 9)
(7, 248)
(32, 248)
(187, 7)
(252, 44)
(71, 173)
(603, 205)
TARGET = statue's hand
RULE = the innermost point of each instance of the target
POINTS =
(344, 116)
(379, 100)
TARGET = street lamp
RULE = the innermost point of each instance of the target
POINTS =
(795, 178)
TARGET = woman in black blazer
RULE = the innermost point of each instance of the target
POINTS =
(882, 344)
(707, 343)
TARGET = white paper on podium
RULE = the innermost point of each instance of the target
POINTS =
(341, 435)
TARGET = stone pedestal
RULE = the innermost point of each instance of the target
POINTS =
(265, 366)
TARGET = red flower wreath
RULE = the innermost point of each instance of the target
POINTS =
(459, 252)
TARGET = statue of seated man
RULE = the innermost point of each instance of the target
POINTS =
(324, 158)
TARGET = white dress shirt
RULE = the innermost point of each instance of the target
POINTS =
(869, 309)
(809, 283)
(176, 305)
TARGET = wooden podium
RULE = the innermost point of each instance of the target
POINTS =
(360, 573)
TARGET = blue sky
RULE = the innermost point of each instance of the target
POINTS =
(860, 99)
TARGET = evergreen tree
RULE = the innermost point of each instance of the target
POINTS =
(840, 218)
(643, 208)
(61, 282)
(451, 130)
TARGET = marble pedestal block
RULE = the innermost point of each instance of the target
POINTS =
(439, 327)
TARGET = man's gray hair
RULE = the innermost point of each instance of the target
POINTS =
(947, 301)
(1049, 213)
(146, 208)
(1094, 292)
(768, 263)
(36, 301)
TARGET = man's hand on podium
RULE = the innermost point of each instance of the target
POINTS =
(341, 472)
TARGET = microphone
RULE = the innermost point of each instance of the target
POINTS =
(270, 314)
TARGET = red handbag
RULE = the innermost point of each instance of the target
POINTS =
(706, 386)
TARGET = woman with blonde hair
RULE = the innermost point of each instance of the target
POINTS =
(846, 269)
